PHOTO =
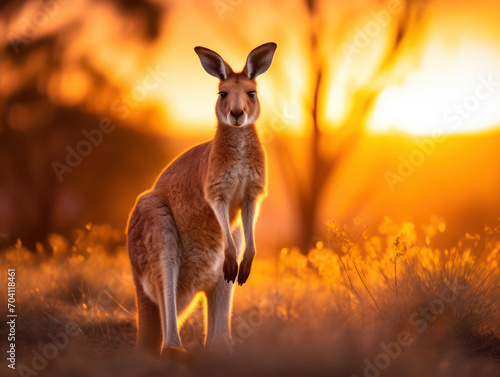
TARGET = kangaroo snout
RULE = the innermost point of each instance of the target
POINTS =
(237, 117)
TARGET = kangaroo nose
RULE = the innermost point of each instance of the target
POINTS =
(237, 113)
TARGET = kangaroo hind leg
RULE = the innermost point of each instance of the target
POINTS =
(167, 246)
(149, 331)
(155, 251)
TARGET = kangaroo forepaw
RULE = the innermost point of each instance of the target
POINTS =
(230, 269)
(244, 272)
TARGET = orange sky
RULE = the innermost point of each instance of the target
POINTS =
(454, 50)
(443, 81)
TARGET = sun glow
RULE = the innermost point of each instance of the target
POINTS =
(445, 79)
(452, 92)
(423, 93)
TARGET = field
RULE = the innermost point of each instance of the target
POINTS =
(393, 302)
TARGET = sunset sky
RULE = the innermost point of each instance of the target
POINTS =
(454, 49)
(444, 81)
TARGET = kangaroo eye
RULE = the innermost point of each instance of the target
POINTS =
(223, 94)
(251, 94)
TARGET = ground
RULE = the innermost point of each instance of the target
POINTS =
(393, 302)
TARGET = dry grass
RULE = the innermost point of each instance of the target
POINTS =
(331, 312)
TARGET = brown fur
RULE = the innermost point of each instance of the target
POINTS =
(178, 243)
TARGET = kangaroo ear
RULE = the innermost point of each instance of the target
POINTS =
(213, 63)
(259, 60)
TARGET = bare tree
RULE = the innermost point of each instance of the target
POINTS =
(323, 163)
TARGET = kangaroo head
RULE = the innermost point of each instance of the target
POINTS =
(237, 104)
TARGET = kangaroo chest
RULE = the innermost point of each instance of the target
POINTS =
(246, 185)
(242, 178)
(243, 174)
(236, 174)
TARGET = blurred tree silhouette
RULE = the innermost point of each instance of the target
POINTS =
(35, 131)
(326, 154)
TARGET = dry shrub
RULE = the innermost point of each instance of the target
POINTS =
(325, 312)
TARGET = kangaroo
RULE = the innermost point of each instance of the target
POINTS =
(185, 235)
